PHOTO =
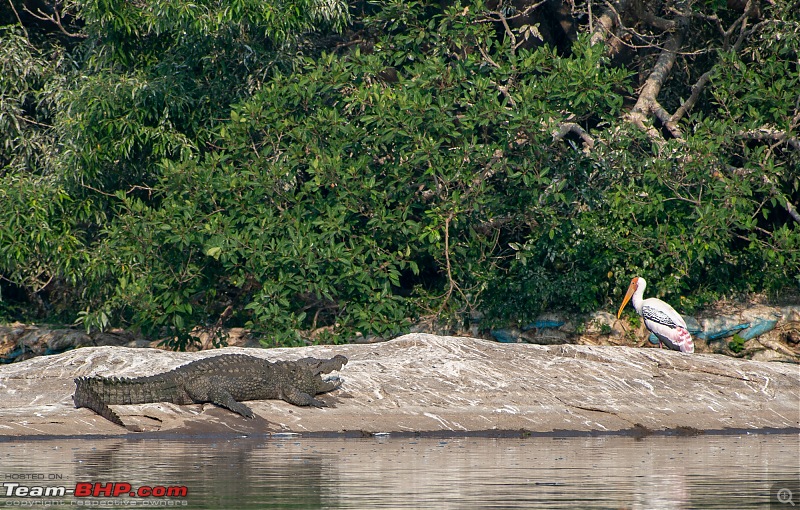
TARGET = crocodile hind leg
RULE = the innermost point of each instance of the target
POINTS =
(224, 399)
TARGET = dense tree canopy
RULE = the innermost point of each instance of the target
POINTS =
(314, 169)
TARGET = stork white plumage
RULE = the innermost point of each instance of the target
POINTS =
(659, 317)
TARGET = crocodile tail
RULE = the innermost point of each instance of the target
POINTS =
(85, 396)
(139, 390)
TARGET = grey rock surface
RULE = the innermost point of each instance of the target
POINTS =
(427, 383)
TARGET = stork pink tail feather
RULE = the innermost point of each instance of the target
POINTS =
(683, 339)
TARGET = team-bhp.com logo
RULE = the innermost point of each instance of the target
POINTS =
(93, 490)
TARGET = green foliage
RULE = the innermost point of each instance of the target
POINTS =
(157, 75)
(93, 320)
(256, 163)
(117, 136)
(736, 344)
(24, 70)
(38, 232)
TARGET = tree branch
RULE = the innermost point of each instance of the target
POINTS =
(770, 133)
(666, 119)
(527, 11)
(647, 104)
(495, 16)
(55, 18)
(504, 90)
(665, 25)
(571, 127)
(774, 191)
(748, 10)
(687, 105)
(487, 58)
(11, 3)
(606, 21)
(698, 87)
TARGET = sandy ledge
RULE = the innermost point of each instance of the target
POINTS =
(432, 385)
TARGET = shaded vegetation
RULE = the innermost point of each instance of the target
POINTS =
(314, 170)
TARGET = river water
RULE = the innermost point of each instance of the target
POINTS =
(654, 472)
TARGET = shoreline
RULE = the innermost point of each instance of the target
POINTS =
(635, 433)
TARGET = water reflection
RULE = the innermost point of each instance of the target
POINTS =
(611, 472)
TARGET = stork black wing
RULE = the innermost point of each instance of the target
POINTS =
(658, 316)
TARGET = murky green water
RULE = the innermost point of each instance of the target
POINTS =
(613, 472)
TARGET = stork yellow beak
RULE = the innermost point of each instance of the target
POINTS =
(631, 290)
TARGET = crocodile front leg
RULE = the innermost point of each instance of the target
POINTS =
(300, 398)
(224, 399)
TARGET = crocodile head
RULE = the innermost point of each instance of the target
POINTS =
(306, 374)
(324, 366)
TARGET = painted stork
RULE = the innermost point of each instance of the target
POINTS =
(660, 318)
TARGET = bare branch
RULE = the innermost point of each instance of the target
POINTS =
(750, 9)
(489, 169)
(698, 87)
(687, 105)
(647, 104)
(452, 285)
(666, 119)
(504, 90)
(611, 18)
(509, 32)
(55, 18)
(571, 127)
(495, 16)
(526, 12)
(713, 18)
(530, 8)
(487, 58)
(792, 210)
(772, 134)
(666, 25)
(11, 2)
(607, 21)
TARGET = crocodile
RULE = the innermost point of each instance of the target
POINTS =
(224, 380)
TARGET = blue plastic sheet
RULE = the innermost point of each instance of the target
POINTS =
(543, 324)
(758, 328)
(506, 336)
(722, 329)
